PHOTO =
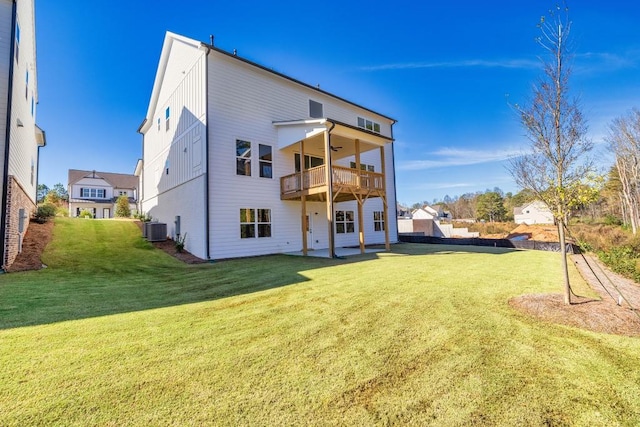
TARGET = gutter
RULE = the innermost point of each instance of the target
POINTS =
(5, 170)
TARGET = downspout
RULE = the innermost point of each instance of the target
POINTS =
(207, 220)
(5, 171)
(395, 188)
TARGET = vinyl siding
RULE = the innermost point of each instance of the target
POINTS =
(23, 146)
(243, 104)
(5, 61)
(174, 166)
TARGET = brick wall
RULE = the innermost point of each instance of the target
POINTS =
(16, 199)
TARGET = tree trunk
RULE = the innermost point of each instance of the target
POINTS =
(565, 266)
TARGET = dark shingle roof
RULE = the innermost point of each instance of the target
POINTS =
(117, 180)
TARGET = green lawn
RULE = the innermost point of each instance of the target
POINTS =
(117, 333)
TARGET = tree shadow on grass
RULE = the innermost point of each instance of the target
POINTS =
(55, 295)
(123, 273)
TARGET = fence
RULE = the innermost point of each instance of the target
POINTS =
(496, 243)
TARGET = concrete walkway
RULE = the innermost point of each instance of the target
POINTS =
(340, 252)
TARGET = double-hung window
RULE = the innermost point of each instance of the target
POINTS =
(255, 223)
(266, 161)
(378, 220)
(345, 222)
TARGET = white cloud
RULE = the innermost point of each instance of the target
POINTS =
(448, 157)
(470, 63)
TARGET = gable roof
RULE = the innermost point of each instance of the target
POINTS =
(170, 38)
(117, 180)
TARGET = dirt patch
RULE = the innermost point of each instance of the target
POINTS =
(539, 233)
(615, 312)
(37, 238)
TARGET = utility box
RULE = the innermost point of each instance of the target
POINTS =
(156, 231)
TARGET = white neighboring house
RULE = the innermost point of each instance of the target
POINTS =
(245, 161)
(98, 192)
(21, 137)
(535, 212)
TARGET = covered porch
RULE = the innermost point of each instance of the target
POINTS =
(317, 145)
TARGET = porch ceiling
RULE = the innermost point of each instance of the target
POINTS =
(312, 132)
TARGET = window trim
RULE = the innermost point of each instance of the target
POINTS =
(345, 222)
(368, 124)
(253, 221)
(267, 163)
(245, 158)
(378, 224)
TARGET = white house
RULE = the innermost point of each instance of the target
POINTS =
(536, 212)
(20, 137)
(98, 192)
(245, 161)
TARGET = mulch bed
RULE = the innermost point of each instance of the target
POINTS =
(169, 246)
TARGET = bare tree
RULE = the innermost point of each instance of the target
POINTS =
(554, 166)
(624, 141)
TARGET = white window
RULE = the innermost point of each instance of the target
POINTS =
(243, 157)
(368, 125)
(93, 193)
(266, 161)
(255, 223)
(378, 220)
(345, 222)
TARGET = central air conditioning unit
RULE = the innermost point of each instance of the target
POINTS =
(156, 231)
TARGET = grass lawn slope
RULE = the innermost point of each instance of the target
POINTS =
(115, 332)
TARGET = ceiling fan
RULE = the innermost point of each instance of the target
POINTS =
(334, 148)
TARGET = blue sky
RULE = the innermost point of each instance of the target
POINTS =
(445, 70)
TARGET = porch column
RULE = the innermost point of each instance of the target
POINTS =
(360, 202)
(385, 207)
(303, 214)
(329, 182)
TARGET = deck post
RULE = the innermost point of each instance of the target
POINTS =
(329, 183)
(305, 224)
(385, 207)
(360, 201)
(303, 215)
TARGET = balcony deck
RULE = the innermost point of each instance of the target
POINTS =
(348, 184)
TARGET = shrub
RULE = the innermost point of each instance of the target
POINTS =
(180, 242)
(84, 213)
(44, 212)
(122, 207)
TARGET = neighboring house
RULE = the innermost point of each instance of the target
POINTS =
(244, 160)
(21, 137)
(98, 192)
(535, 212)
(429, 212)
(426, 221)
